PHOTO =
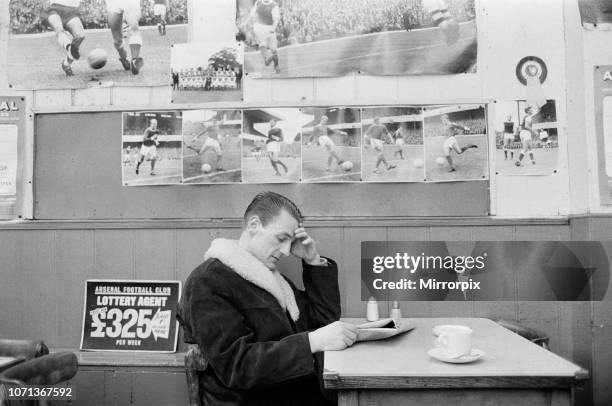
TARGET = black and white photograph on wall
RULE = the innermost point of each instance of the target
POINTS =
(206, 72)
(12, 130)
(271, 145)
(392, 144)
(596, 14)
(455, 143)
(310, 38)
(80, 43)
(331, 145)
(602, 75)
(526, 138)
(211, 146)
(151, 148)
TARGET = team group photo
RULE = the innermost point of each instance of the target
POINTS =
(79, 43)
(206, 72)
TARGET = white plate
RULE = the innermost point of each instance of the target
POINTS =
(438, 353)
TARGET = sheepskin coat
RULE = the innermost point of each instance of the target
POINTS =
(252, 326)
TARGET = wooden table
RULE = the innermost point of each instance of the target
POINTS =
(7, 362)
(398, 371)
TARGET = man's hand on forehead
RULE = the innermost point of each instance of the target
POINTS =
(304, 246)
(300, 233)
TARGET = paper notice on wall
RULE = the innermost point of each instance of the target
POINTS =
(8, 159)
(607, 134)
(602, 76)
(161, 324)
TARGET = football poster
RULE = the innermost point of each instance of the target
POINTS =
(310, 38)
(526, 138)
(83, 43)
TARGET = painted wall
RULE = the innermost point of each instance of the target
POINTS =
(45, 271)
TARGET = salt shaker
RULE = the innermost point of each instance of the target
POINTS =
(372, 309)
(396, 312)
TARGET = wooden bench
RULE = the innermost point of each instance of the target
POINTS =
(128, 377)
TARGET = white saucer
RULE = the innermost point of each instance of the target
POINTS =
(438, 353)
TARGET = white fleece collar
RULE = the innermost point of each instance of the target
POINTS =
(251, 269)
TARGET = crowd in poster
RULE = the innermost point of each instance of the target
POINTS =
(526, 138)
(306, 38)
(308, 144)
(124, 315)
(72, 43)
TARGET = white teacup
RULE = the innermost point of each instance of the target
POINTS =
(455, 341)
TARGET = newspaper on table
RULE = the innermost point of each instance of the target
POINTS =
(383, 328)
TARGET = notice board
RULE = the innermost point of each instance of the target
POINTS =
(77, 176)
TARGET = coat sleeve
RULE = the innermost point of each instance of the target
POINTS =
(321, 294)
(229, 346)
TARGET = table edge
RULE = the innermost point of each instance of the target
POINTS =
(332, 380)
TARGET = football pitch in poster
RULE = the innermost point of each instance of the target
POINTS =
(82, 43)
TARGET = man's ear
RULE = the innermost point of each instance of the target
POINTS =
(253, 223)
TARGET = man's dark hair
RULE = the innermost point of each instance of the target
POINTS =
(267, 205)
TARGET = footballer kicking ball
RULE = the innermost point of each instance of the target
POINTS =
(440, 161)
(206, 168)
(97, 58)
(418, 163)
(347, 165)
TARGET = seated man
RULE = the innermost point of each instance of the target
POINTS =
(257, 331)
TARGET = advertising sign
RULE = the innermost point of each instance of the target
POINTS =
(124, 315)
